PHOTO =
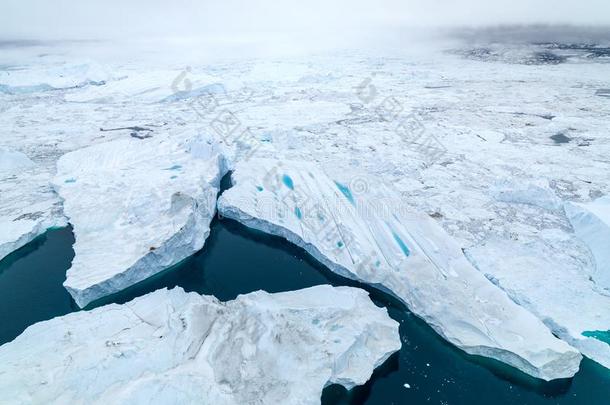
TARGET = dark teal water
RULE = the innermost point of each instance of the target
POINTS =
(238, 260)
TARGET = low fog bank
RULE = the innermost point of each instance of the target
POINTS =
(205, 30)
(317, 19)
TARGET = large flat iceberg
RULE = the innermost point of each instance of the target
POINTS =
(368, 236)
(183, 348)
(137, 207)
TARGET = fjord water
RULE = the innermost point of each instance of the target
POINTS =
(238, 260)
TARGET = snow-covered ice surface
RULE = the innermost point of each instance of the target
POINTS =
(537, 193)
(151, 87)
(138, 206)
(28, 205)
(57, 76)
(175, 347)
(372, 240)
(591, 222)
(553, 287)
(491, 147)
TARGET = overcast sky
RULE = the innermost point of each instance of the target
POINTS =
(64, 19)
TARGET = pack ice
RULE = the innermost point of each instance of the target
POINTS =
(28, 206)
(137, 207)
(170, 346)
(591, 223)
(371, 238)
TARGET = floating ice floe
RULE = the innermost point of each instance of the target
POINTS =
(151, 87)
(554, 288)
(63, 76)
(28, 205)
(364, 234)
(137, 207)
(591, 222)
(12, 162)
(525, 191)
(183, 348)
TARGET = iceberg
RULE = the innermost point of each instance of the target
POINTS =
(591, 223)
(524, 191)
(28, 206)
(152, 87)
(12, 162)
(137, 208)
(365, 234)
(551, 286)
(60, 76)
(170, 346)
